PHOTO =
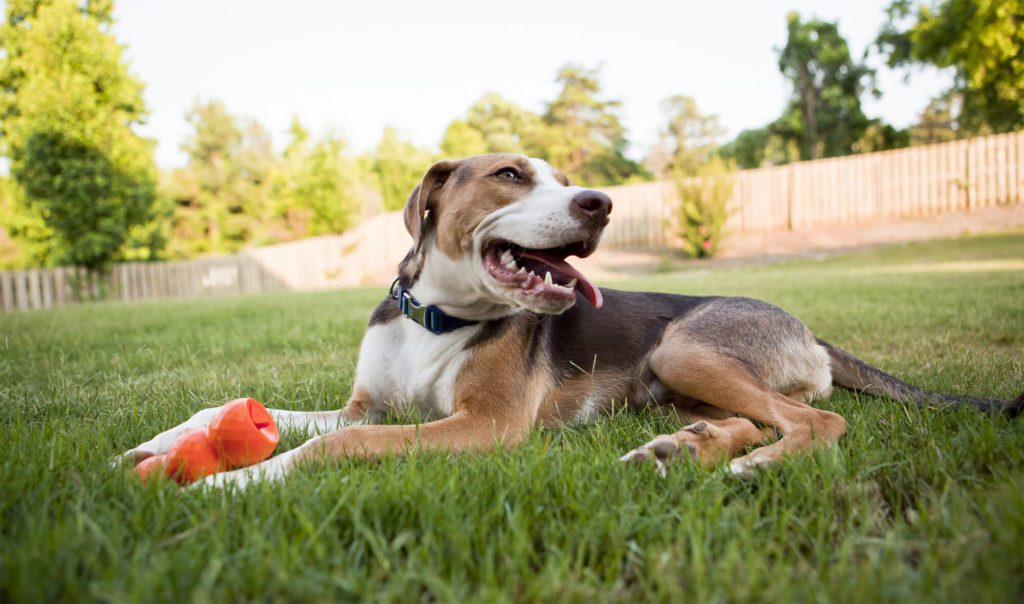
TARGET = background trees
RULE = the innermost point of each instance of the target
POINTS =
(318, 189)
(82, 187)
(824, 115)
(584, 136)
(68, 111)
(494, 124)
(397, 167)
(220, 195)
(688, 139)
(579, 131)
(981, 41)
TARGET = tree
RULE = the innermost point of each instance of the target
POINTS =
(317, 191)
(760, 147)
(688, 139)
(982, 41)
(824, 115)
(68, 111)
(937, 123)
(25, 240)
(585, 137)
(880, 136)
(397, 167)
(494, 125)
(221, 195)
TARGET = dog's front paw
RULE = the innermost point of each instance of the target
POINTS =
(237, 479)
(131, 457)
(271, 470)
(161, 443)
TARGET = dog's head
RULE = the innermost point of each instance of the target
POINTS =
(492, 233)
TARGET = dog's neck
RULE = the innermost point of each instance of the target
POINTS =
(451, 285)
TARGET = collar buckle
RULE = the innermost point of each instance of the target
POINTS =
(432, 318)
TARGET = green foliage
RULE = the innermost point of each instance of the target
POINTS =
(397, 166)
(585, 137)
(688, 139)
(937, 123)
(235, 191)
(824, 115)
(879, 136)
(980, 40)
(318, 189)
(760, 147)
(580, 132)
(25, 240)
(88, 201)
(495, 125)
(68, 114)
(704, 194)
(220, 197)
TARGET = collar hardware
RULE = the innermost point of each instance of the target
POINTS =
(432, 318)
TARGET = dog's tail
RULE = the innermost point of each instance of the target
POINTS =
(854, 374)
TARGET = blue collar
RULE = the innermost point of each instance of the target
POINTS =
(432, 318)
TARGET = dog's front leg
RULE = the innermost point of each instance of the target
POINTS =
(319, 422)
(460, 432)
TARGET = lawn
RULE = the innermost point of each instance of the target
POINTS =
(913, 505)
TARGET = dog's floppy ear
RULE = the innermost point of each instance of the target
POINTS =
(419, 200)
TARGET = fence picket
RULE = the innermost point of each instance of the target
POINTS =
(7, 292)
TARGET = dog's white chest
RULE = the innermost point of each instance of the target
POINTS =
(404, 366)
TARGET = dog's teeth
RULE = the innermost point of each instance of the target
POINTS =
(506, 257)
(547, 279)
(510, 264)
(571, 284)
(522, 269)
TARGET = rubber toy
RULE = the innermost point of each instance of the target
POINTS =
(241, 434)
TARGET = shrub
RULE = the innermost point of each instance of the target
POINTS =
(703, 206)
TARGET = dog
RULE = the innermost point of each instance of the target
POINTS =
(488, 332)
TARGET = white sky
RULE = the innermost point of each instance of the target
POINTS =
(354, 67)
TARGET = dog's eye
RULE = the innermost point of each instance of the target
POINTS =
(508, 174)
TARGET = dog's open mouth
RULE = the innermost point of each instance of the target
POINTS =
(542, 272)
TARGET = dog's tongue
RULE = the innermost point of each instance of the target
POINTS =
(583, 286)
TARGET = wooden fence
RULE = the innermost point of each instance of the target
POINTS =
(859, 189)
(367, 254)
(874, 187)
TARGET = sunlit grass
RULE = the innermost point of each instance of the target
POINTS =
(913, 505)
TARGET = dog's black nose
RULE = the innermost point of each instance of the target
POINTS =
(592, 205)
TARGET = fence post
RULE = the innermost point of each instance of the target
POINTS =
(47, 287)
(21, 290)
(34, 297)
(7, 291)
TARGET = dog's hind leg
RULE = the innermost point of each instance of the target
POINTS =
(698, 371)
(707, 441)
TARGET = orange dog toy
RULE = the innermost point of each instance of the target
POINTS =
(241, 434)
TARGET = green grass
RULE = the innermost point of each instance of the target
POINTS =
(913, 505)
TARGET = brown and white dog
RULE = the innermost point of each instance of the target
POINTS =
(521, 349)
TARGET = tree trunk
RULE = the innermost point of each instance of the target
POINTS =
(808, 108)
